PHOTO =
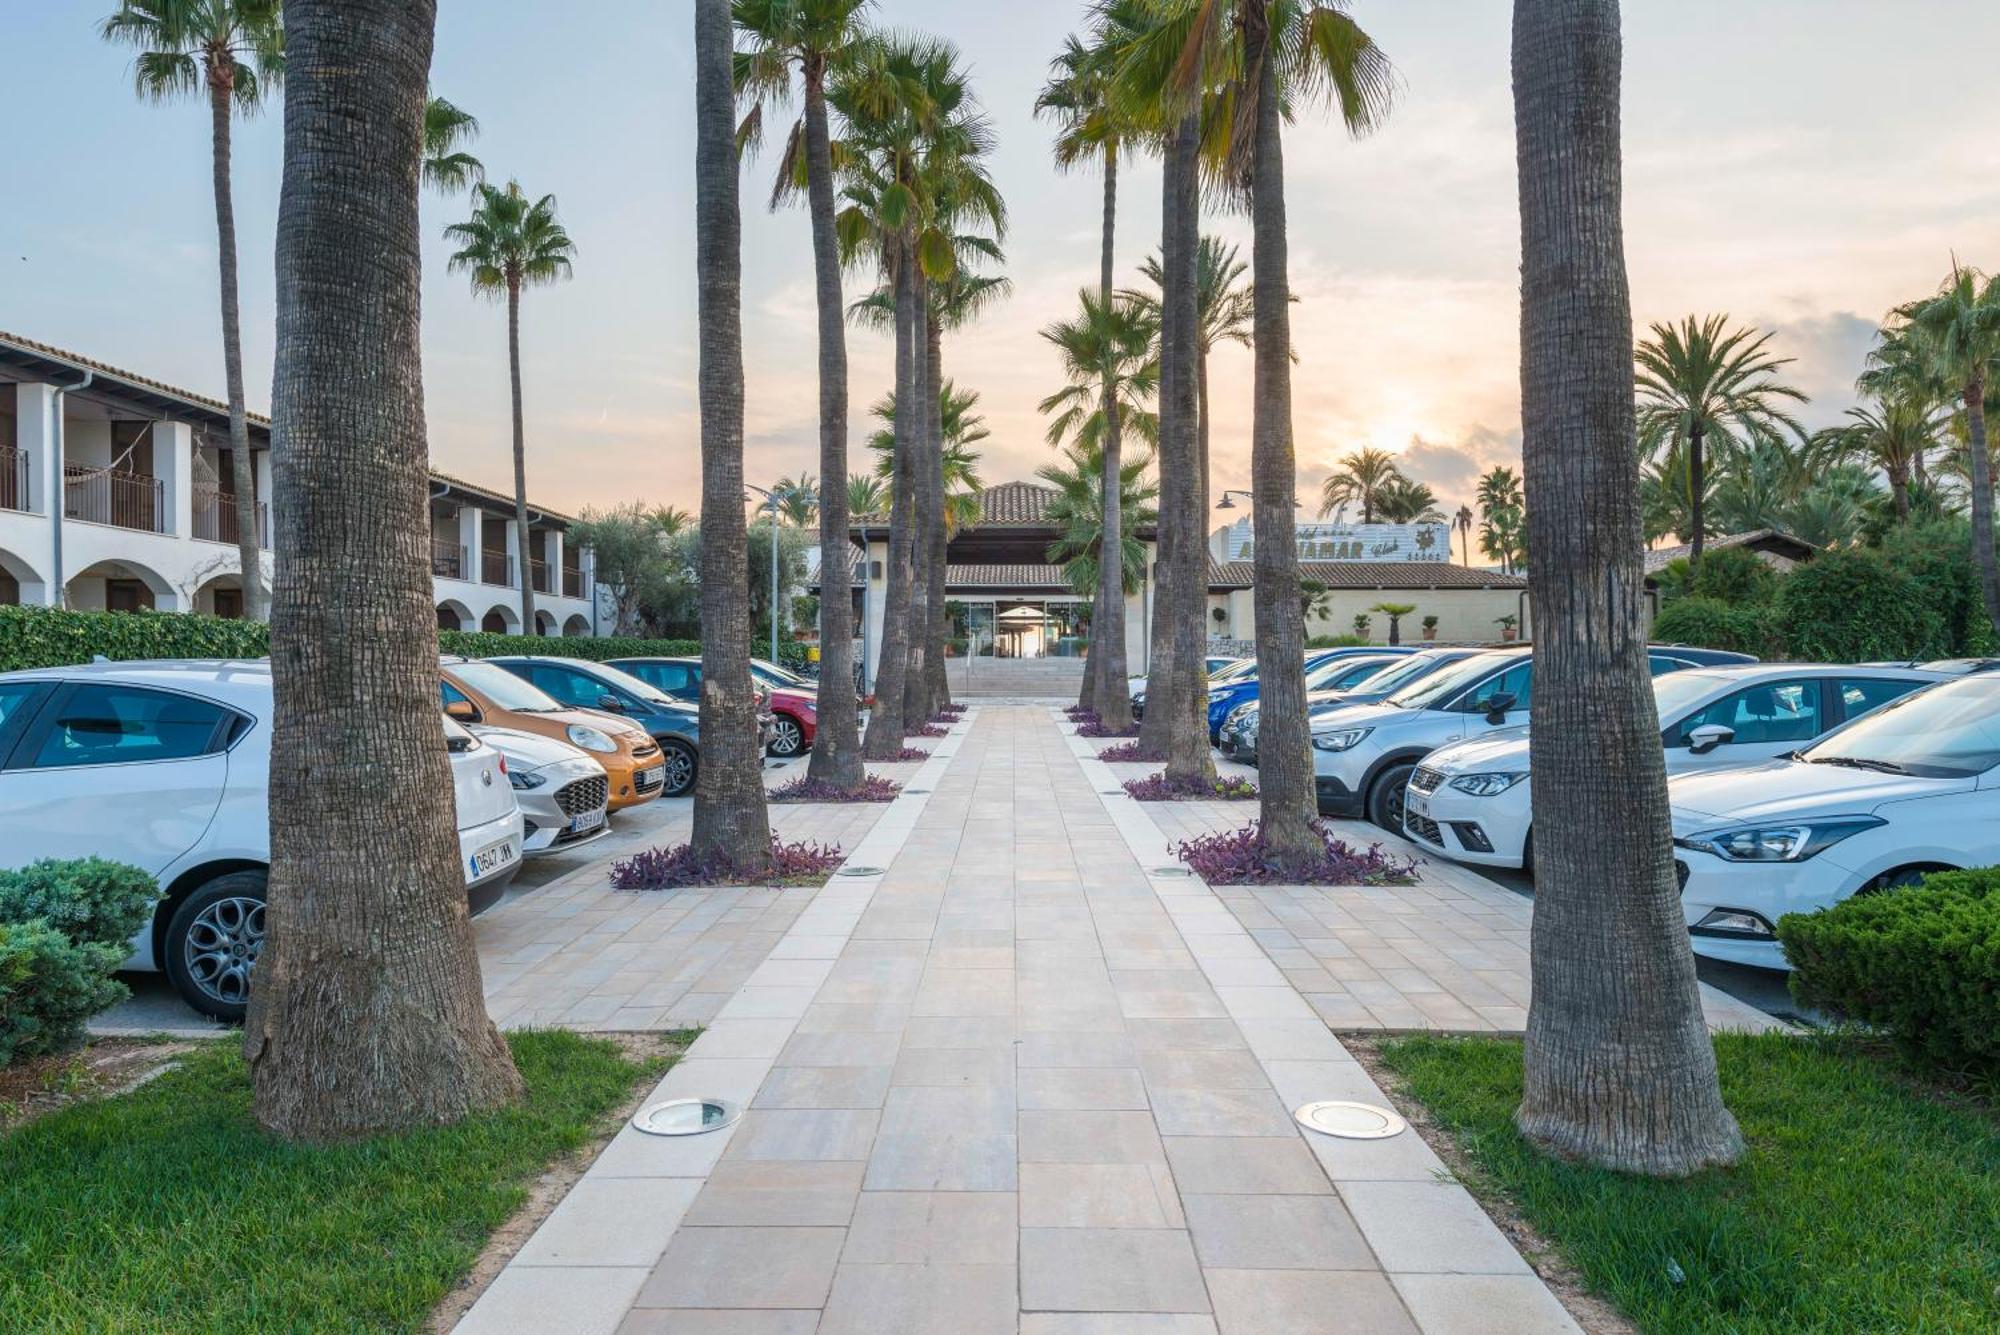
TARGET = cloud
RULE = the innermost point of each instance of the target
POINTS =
(1454, 470)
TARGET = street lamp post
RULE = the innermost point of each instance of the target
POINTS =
(771, 504)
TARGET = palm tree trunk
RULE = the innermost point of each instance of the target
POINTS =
(1619, 1068)
(730, 818)
(1695, 489)
(1982, 496)
(1113, 700)
(1899, 491)
(836, 750)
(1162, 665)
(243, 469)
(916, 676)
(884, 738)
(368, 1014)
(1183, 476)
(1201, 433)
(937, 686)
(522, 540)
(1286, 797)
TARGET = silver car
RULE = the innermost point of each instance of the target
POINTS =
(563, 794)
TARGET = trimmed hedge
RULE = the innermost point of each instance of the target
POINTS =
(1853, 607)
(38, 637)
(64, 927)
(1921, 962)
(1714, 624)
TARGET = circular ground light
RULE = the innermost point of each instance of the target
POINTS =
(1351, 1121)
(685, 1117)
(1172, 871)
(859, 871)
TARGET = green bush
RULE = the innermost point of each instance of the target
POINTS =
(88, 900)
(1922, 963)
(1714, 624)
(1854, 606)
(1734, 575)
(1938, 557)
(1337, 641)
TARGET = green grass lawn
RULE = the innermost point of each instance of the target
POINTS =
(1862, 1205)
(167, 1209)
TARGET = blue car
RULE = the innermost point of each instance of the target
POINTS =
(1227, 696)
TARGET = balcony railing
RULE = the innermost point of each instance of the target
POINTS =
(215, 517)
(496, 568)
(14, 491)
(115, 497)
(572, 584)
(447, 559)
(539, 572)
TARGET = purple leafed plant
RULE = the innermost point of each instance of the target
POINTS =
(1240, 857)
(907, 753)
(680, 866)
(805, 788)
(1128, 751)
(951, 711)
(925, 730)
(1096, 727)
(1159, 788)
(1079, 714)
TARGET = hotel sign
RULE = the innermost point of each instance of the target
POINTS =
(1350, 542)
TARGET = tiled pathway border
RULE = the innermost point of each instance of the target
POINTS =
(581, 1270)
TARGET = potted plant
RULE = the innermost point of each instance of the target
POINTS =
(1395, 612)
(1361, 625)
(1509, 626)
(1430, 628)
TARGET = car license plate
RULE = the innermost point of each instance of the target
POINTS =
(489, 860)
(654, 777)
(589, 820)
(1416, 803)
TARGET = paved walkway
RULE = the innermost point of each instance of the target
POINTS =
(1030, 1077)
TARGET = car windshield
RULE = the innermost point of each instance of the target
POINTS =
(1342, 672)
(774, 675)
(1676, 692)
(1399, 672)
(1428, 692)
(1237, 671)
(506, 690)
(1950, 731)
(625, 681)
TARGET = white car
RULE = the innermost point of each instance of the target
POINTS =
(563, 794)
(1214, 663)
(1908, 789)
(166, 766)
(1472, 801)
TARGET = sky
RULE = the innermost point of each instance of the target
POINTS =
(1801, 165)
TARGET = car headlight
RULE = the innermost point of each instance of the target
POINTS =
(1777, 843)
(591, 739)
(1217, 697)
(1346, 739)
(525, 778)
(1488, 785)
(1242, 712)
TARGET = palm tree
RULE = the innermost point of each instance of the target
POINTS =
(1619, 1069)
(961, 426)
(1395, 612)
(815, 37)
(1223, 314)
(1402, 501)
(730, 818)
(1957, 333)
(233, 51)
(798, 499)
(448, 168)
(1078, 511)
(1503, 518)
(1462, 521)
(1359, 477)
(1702, 383)
(508, 244)
(1896, 435)
(357, 1033)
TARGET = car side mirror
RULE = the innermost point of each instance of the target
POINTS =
(1708, 736)
(611, 704)
(1498, 704)
(462, 711)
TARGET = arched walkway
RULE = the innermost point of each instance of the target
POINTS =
(221, 596)
(501, 620)
(20, 582)
(454, 615)
(576, 626)
(545, 623)
(122, 586)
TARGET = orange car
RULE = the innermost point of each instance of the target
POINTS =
(477, 692)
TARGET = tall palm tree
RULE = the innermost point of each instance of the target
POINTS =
(448, 167)
(234, 52)
(1078, 513)
(1701, 383)
(1958, 334)
(1099, 347)
(813, 38)
(1462, 521)
(509, 244)
(1224, 313)
(1359, 478)
(356, 1033)
(1620, 1071)
(1405, 502)
(798, 499)
(865, 495)
(1503, 517)
(730, 818)
(1079, 95)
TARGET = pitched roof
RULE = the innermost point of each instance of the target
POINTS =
(1387, 575)
(966, 576)
(1757, 540)
(1020, 504)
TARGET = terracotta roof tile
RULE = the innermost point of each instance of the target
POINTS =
(1387, 575)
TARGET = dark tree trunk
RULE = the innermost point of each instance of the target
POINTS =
(1696, 486)
(1201, 394)
(937, 691)
(1982, 497)
(1156, 729)
(1899, 491)
(884, 738)
(1107, 624)
(242, 468)
(1183, 490)
(730, 817)
(916, 675)
(1287, 804)
(836, 751)
(1619, 1068)
(522, 539)
(367, 1015)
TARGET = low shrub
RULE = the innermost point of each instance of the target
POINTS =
(1714, 624)
(1729, 574)
(926, 730)
(1097, 727)
(1241, 857)
(805, 788)
(1853, 606)
(88, 900)
(905, 754)
(1080, 713)
(1938, 556)
(49, 986)
(680, 866)
(1921, 963)
(1337, 641)
(1159, 788)
(1129, 751)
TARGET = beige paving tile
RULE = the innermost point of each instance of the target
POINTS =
(1476, 1304)
(1245, 1165)
(1099, 1196)
(737, 1321)
(1275, 1233)
(1307, 1302)
(928, 1227)
(1089, 1137)
(922, 1300)
(1429, 1228)
(1110, 1270)
(1116, 1323)
(745, 1267)
(751, 1192)
(1082, 1088)
(610, 1221)
(815, 1133)
(824, 1087)
(568, 1298)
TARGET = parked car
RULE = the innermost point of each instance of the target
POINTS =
(1214, 663)
(792, 711)
(1363, 755)
(1907, 789)
(475, 691)
(1383, 682)
(1472, 801)
(1236, 738)
(564, 795)
(1226, 696)
(1235, 669)
(166, 766)
(582, 684)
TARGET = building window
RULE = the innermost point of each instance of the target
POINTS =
(127, 595)
(229, 604)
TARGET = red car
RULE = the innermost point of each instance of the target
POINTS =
(793, 714)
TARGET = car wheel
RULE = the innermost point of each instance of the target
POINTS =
(213, 941)
(1385, 799)
(682, 765)
(1896, 880)
(787, 737)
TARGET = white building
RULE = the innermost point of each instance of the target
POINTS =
(117, 493)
